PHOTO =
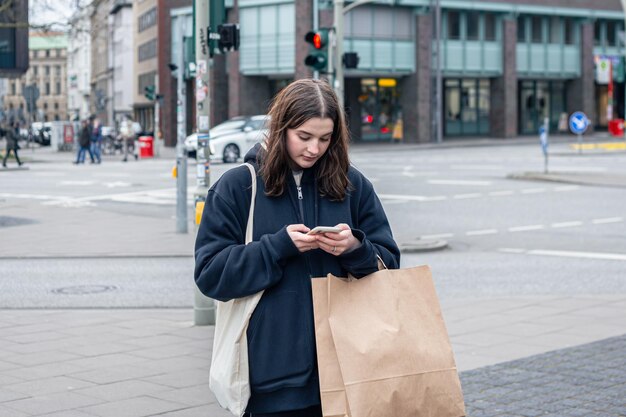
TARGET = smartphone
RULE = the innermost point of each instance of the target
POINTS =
(324, 229)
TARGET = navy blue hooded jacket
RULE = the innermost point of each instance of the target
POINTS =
(281, 334)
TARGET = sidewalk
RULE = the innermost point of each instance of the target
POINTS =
(118, 363)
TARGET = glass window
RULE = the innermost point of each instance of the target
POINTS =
(47, 89)
(454, 25)
(554, 29)
(597, 32)
(611, 33)
(47, 52)
(35, 69)
(569, 31)
(58, 88)
(536, 29)
(47, 69)
(472, 19)
(521, 29)
(490, 27)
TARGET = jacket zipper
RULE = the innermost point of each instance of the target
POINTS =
(301, 206)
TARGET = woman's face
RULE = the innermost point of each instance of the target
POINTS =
(307, 143)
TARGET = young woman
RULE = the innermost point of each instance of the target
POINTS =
(304, 180)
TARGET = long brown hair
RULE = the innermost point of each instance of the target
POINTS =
(291, 108)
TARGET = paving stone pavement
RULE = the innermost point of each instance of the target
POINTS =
(149, 362)
(583, 381)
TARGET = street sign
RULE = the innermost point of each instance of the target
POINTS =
(578, 123)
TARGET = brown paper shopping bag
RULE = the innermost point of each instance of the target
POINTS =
(332, 389)
(392, 347)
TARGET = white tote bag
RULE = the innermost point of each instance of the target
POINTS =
(229, 378)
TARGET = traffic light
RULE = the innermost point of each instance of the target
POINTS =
(229, 37)
(149, 92)
(318, 55)
(351, 59)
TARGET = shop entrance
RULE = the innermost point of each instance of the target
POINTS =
(466, 105)
(538, 100)
(379, 108)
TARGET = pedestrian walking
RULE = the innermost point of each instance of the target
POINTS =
(96, 140)
(11, 134)
(304, 180)
(128, 138)
(84, 142)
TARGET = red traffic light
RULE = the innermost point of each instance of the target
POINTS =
(319, 38)
(317, 41)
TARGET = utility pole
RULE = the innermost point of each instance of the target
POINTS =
(438, 80)
(157, 131)
(181, 158)
(204, 307)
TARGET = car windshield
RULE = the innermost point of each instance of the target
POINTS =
(229, 125)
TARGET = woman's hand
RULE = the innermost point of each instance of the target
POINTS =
(338, 243)
(298, 234)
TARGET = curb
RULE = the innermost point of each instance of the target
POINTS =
(607, 180)
(423, 246)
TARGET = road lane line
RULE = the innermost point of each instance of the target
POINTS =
(500, 193)
(526, 228)
(568, 254)
(458, 182)
(533, 190)
(411, 197)
(481, 232)
(608, 220)
(566, 224)
(438, 236)
(464, 196)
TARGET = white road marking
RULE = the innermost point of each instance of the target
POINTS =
(438, 236)
(411, 197)
(526, 228)
(511, 250)
(482, 232)
(579, 169)
(567, 224)
(459, 182)
(116, 184)
(500, 193)
(31, 196)
(533, 190)
(569, 254)
(476, 167)
(607, 220)
(464, 196)
(77, 183)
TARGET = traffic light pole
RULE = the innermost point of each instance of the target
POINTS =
(157, 145)
(203, 307)
(337, 58)
(181, 158)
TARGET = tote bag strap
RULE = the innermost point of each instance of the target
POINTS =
(250, 225)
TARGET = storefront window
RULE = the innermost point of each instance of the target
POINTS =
(540, 100)
(379, 108)
(570, 38)
(467, 105)
(490, 27)
(537, 29)
(521, 29)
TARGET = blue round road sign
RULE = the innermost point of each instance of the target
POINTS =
(578, 123)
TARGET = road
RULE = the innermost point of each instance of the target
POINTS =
(506, 237)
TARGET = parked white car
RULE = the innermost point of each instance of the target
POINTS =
(230, 140)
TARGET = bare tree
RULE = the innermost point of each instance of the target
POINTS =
(44, 15)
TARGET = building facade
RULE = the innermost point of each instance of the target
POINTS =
(122, 59)
(506, 66)
(48, 74)
(145, 57)
(101, 61)
(79, 66)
